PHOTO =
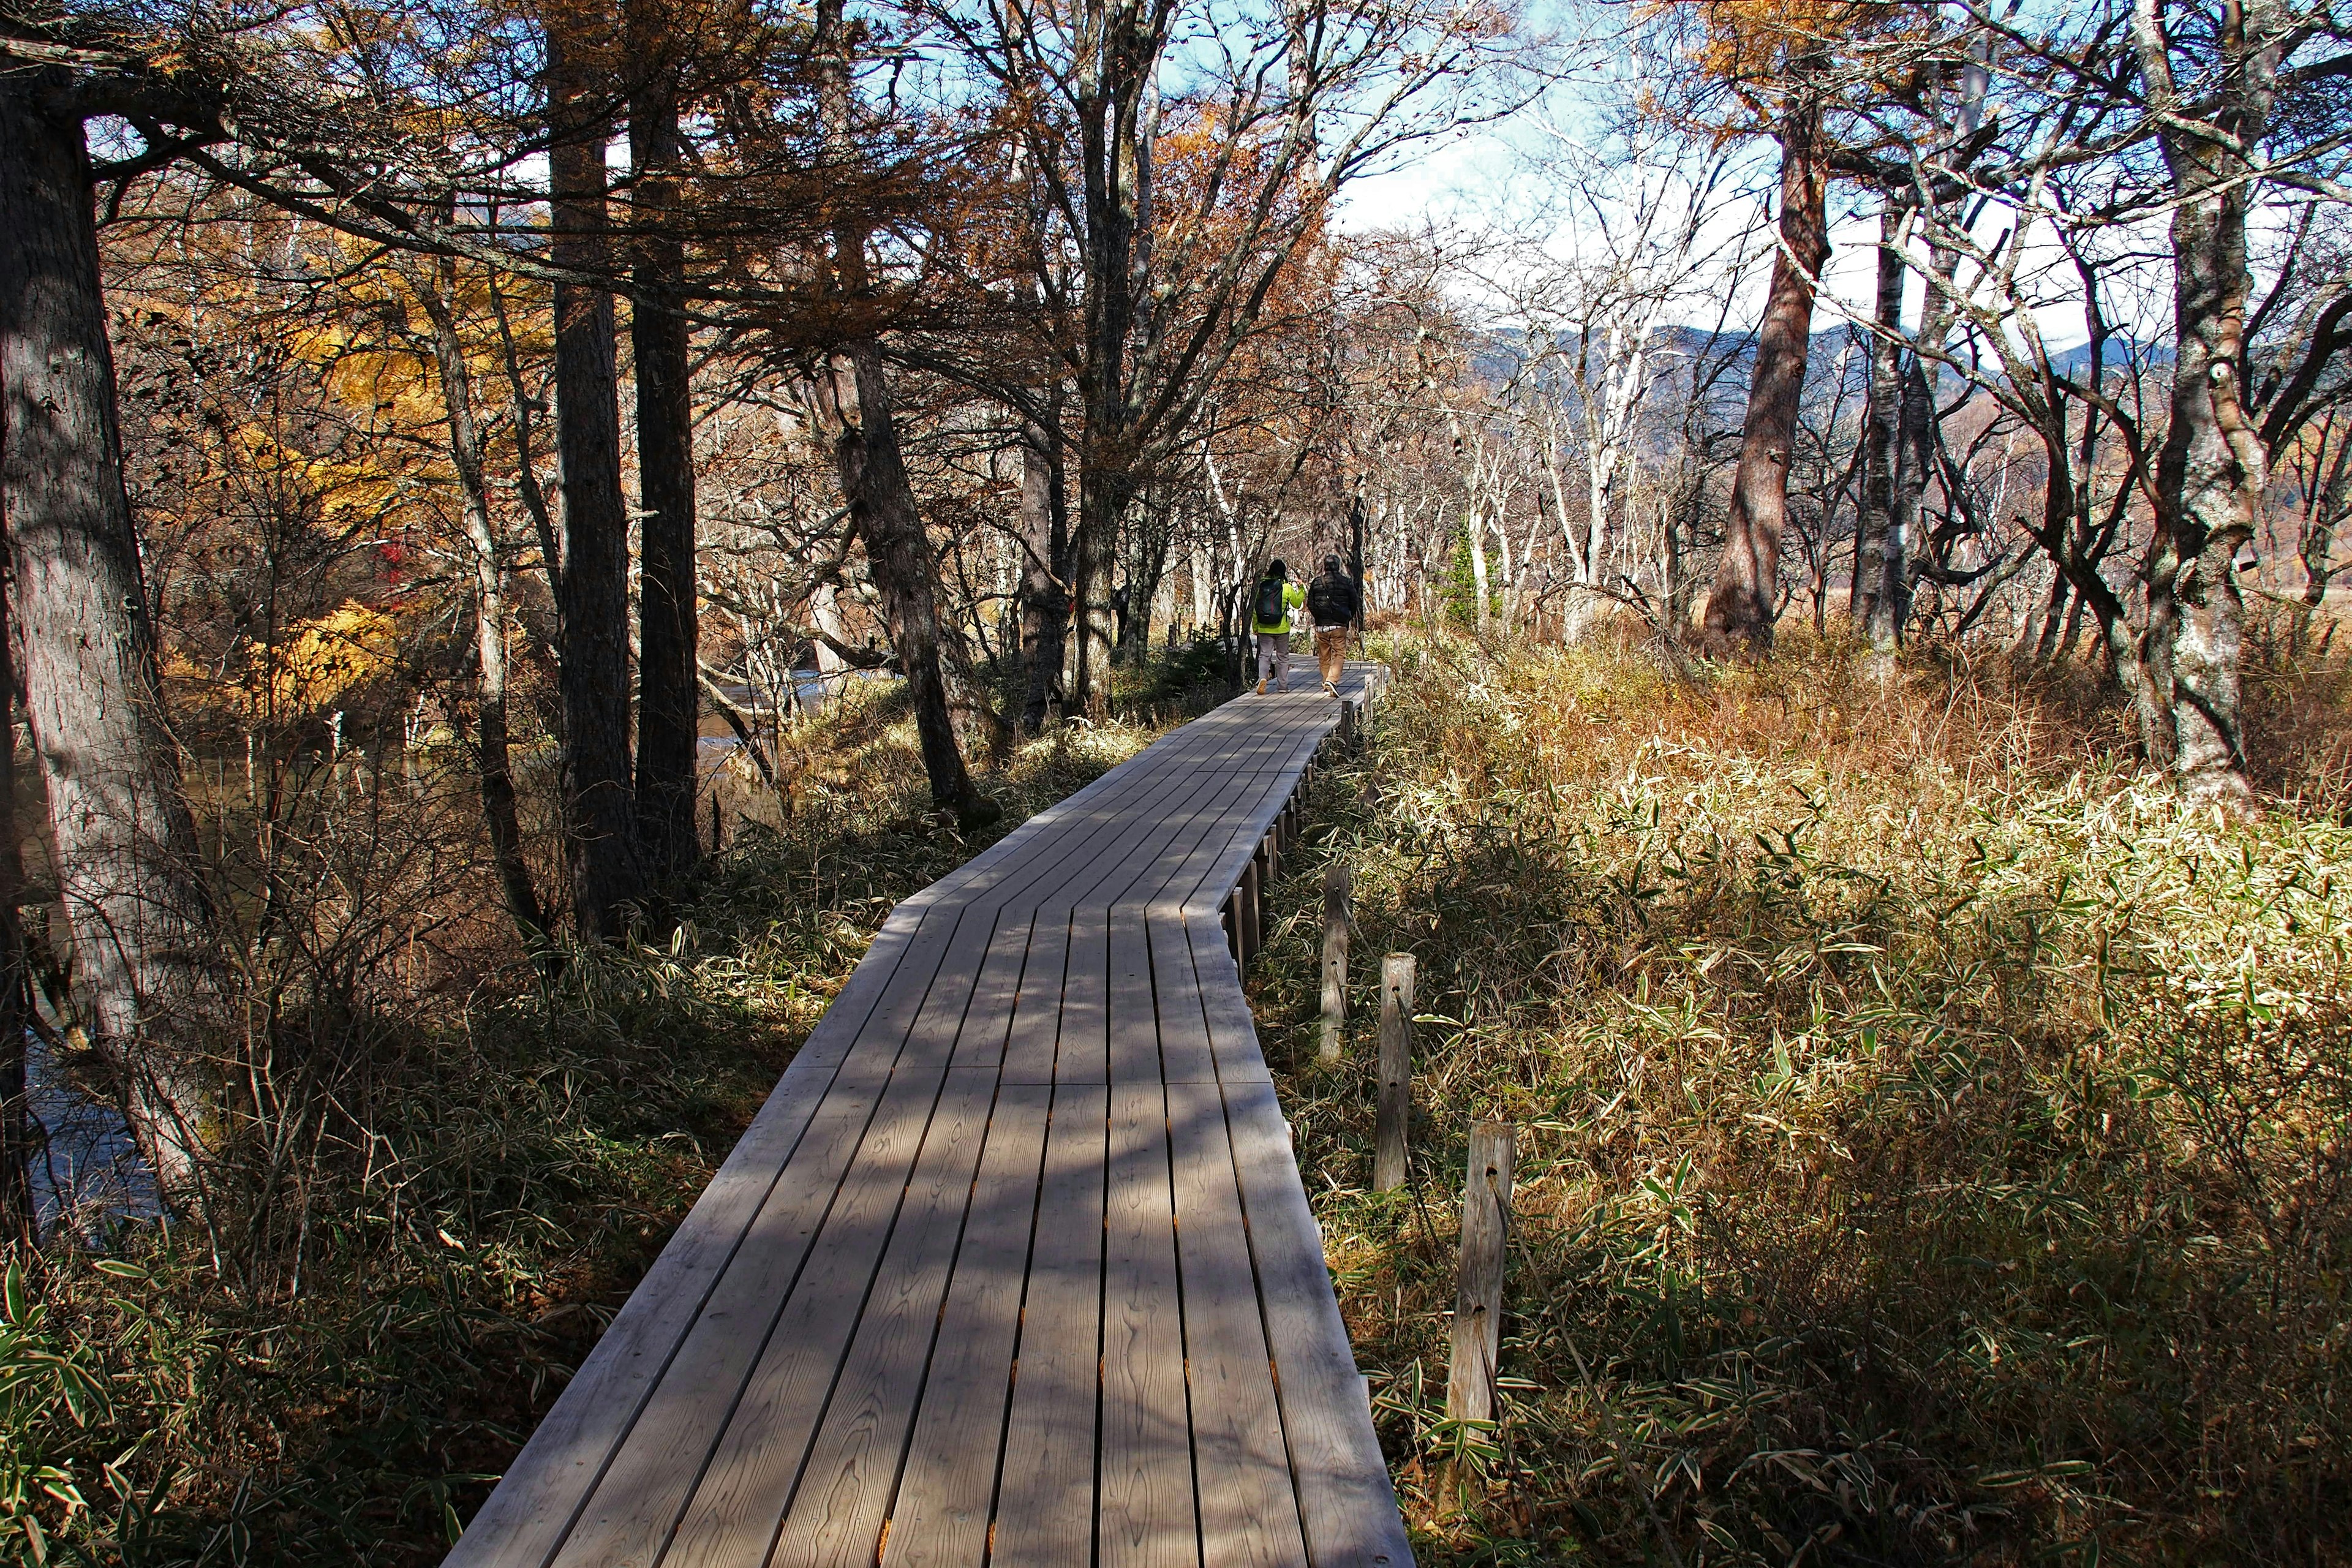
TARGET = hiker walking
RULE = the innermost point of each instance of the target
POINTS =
(1332, 602)
(1277, 596)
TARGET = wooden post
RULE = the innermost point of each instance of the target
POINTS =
(1478, 1276)
(1396, 1072)
(1338, 883)
(1348, 722)
(1245, 914)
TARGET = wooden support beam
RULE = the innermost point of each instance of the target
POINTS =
(1477, 1332)
(1396, 1072)
(1247, 912)
(1338, 883)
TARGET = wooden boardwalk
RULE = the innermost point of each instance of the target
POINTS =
(1015, 1265)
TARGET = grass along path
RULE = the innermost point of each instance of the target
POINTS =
(1933, 1141)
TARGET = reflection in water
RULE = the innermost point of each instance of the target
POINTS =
(87, 1170)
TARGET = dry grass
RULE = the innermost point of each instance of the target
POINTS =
(1934, 1143)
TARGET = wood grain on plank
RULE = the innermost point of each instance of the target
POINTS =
(939, 1516)
(1345, 1500)
(1146, 1516)
(1249, 1512)
(1045, 1499)
(835, 1521)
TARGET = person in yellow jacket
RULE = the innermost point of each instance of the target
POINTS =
(1270, 607)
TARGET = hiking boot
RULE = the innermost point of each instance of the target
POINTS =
(1329, 690)
(1261, 687)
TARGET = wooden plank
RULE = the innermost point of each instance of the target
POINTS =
(637, 1501)
(1045, 1498)
(1036, 1029)
(836, 1519)
(1185, 1055)
(734, 1512)
(982, 1043)
(1345, 1500)
(1133, 1026)
(1249, 1514)
(1232, 1031)
(1083, 1054)
(1147, 1517)
(533, 1508)
(948, 1484)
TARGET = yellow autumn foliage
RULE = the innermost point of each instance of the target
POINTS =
(319, 661)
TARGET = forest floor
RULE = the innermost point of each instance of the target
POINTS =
(1933, 1143)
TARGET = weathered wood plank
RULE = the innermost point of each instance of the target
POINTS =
(1345, 1500)
(1146, 1510)
(1045, 1499)
(1000, 1268)
(940, 1518)
(1249, 1511)
(835, 1521)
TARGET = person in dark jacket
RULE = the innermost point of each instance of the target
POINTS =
(1332, 601)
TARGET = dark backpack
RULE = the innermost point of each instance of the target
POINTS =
(1269, 601)
(1331, 600)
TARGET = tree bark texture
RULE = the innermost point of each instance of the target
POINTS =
(1745, 599)
(668, 696)
(856, 399)
(122, 837)
(1045, 574)
(500, 815)
(19, 1224)
(600, 818)
(2212, 470)
(1880, 417)
(1118, 47)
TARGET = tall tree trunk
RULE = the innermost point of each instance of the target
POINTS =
(500, 815)
(600, 817)
(2213, 470)
(1878, 424)
(1745, 599)
(855, 400)
(669, 706)
(1045, 574)
(18, 1223)
(122, 840)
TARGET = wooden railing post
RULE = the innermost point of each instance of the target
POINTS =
(1338, 883)
(1245, 912)
(1348, 722)
(1396, 1072)
(1478, 1276)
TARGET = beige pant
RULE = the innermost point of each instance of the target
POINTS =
(1331, 652)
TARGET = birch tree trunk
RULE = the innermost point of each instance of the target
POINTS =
(121, 837)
